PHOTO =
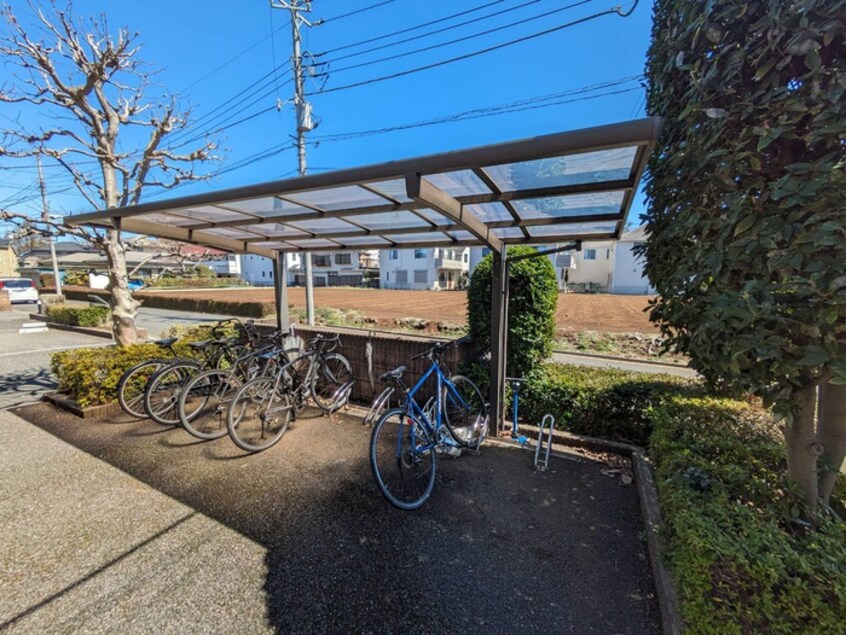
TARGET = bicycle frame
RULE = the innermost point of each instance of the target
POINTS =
(413, 408)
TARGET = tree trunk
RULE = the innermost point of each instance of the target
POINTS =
(123, 304)
(803, 450)
(832, 436)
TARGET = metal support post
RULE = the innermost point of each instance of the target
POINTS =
(280, 284)
(499, 328)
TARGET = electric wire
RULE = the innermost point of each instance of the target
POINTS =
(472, 54)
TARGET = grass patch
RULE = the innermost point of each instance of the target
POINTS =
(640, 346)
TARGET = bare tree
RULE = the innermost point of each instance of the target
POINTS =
(89, 90)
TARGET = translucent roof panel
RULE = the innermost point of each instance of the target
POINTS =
(266, 207)
(586, 167)
(573, 205)
(508, 232)
(335, 198)
(458, 183)
(170, 219)
(235, 233)
(313, 243)
(435, 217)
(275, 230)
(324, 225)
(572, 229)
(364, 240)
(430, 237)
(490, 212)
(390, 220)
(394, 188)
(210, 214)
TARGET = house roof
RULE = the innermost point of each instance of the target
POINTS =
(635, 236)
(549, 189)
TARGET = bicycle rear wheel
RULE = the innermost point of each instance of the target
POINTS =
(402, 458)
(161, 397)
(258, 415)
(465, 412)
(204, 403)
(133, 383)
(331, 384)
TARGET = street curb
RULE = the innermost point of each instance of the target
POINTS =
(619, 359)
(74, 329)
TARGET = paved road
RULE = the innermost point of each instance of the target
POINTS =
(25, 357)
(623, 364)
(157, 320)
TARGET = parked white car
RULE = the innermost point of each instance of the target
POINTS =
(20, 289)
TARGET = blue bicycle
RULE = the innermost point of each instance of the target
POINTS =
(406, 440)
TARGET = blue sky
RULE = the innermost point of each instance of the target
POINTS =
(190, 40)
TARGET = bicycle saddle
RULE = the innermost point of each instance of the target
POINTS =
(165, 342)
(199, 346)
(396, 373)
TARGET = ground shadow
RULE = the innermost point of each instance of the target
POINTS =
(25, 386)
(498, 546)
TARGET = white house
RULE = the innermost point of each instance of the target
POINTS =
(628, 267)
(439, 268)
(225, 265)
(604, 266)
(342, 268)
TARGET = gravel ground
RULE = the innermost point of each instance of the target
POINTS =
(498, 547)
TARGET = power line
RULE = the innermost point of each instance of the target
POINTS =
(411, 28)
(544, 101)
(445, 29)
(356, 12)
(488, 49)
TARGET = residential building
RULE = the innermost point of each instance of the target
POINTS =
(340, 268)
(628, 275)
(436, 269)
(8, 260)
(601, 266)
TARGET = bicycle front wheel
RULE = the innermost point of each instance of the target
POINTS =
(133, 383)
(204, 403)
(402, 458)
(465, 412)
(330, 388)
(258, 415)
(161, 397)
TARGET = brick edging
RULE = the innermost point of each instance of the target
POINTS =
(86, 412)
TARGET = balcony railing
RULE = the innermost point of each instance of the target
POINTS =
(449, 263)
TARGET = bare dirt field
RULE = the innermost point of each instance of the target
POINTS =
(576, 312)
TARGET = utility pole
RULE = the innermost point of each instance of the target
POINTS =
(304, 118)
(45, 210)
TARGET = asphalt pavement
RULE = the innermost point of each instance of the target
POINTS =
(25, 357)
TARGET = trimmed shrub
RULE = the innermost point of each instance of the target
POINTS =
(74, 315)
(531, 309)
(191, 283)
(738, 563)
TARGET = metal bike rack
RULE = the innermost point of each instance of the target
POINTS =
(548, 421)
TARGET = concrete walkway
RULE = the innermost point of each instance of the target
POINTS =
(87, 548)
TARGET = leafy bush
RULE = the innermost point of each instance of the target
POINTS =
(189, 283)
(738, 563)
(74, 315)
(531, 309)
(90, 375)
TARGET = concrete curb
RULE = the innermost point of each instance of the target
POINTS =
(614, 358)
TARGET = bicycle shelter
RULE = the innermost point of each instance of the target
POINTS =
(546, 190)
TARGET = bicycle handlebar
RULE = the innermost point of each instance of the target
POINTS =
(437, 349)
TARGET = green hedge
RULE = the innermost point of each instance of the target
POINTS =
(739, 564)
(192, 283)
(74, 315)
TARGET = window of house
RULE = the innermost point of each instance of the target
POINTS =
(343, 259)
(419, 253)
(607, 254)
(394, 254)
(466, 257)
(402, 276)
(590, 254)
(262, 274)
(420, 275)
